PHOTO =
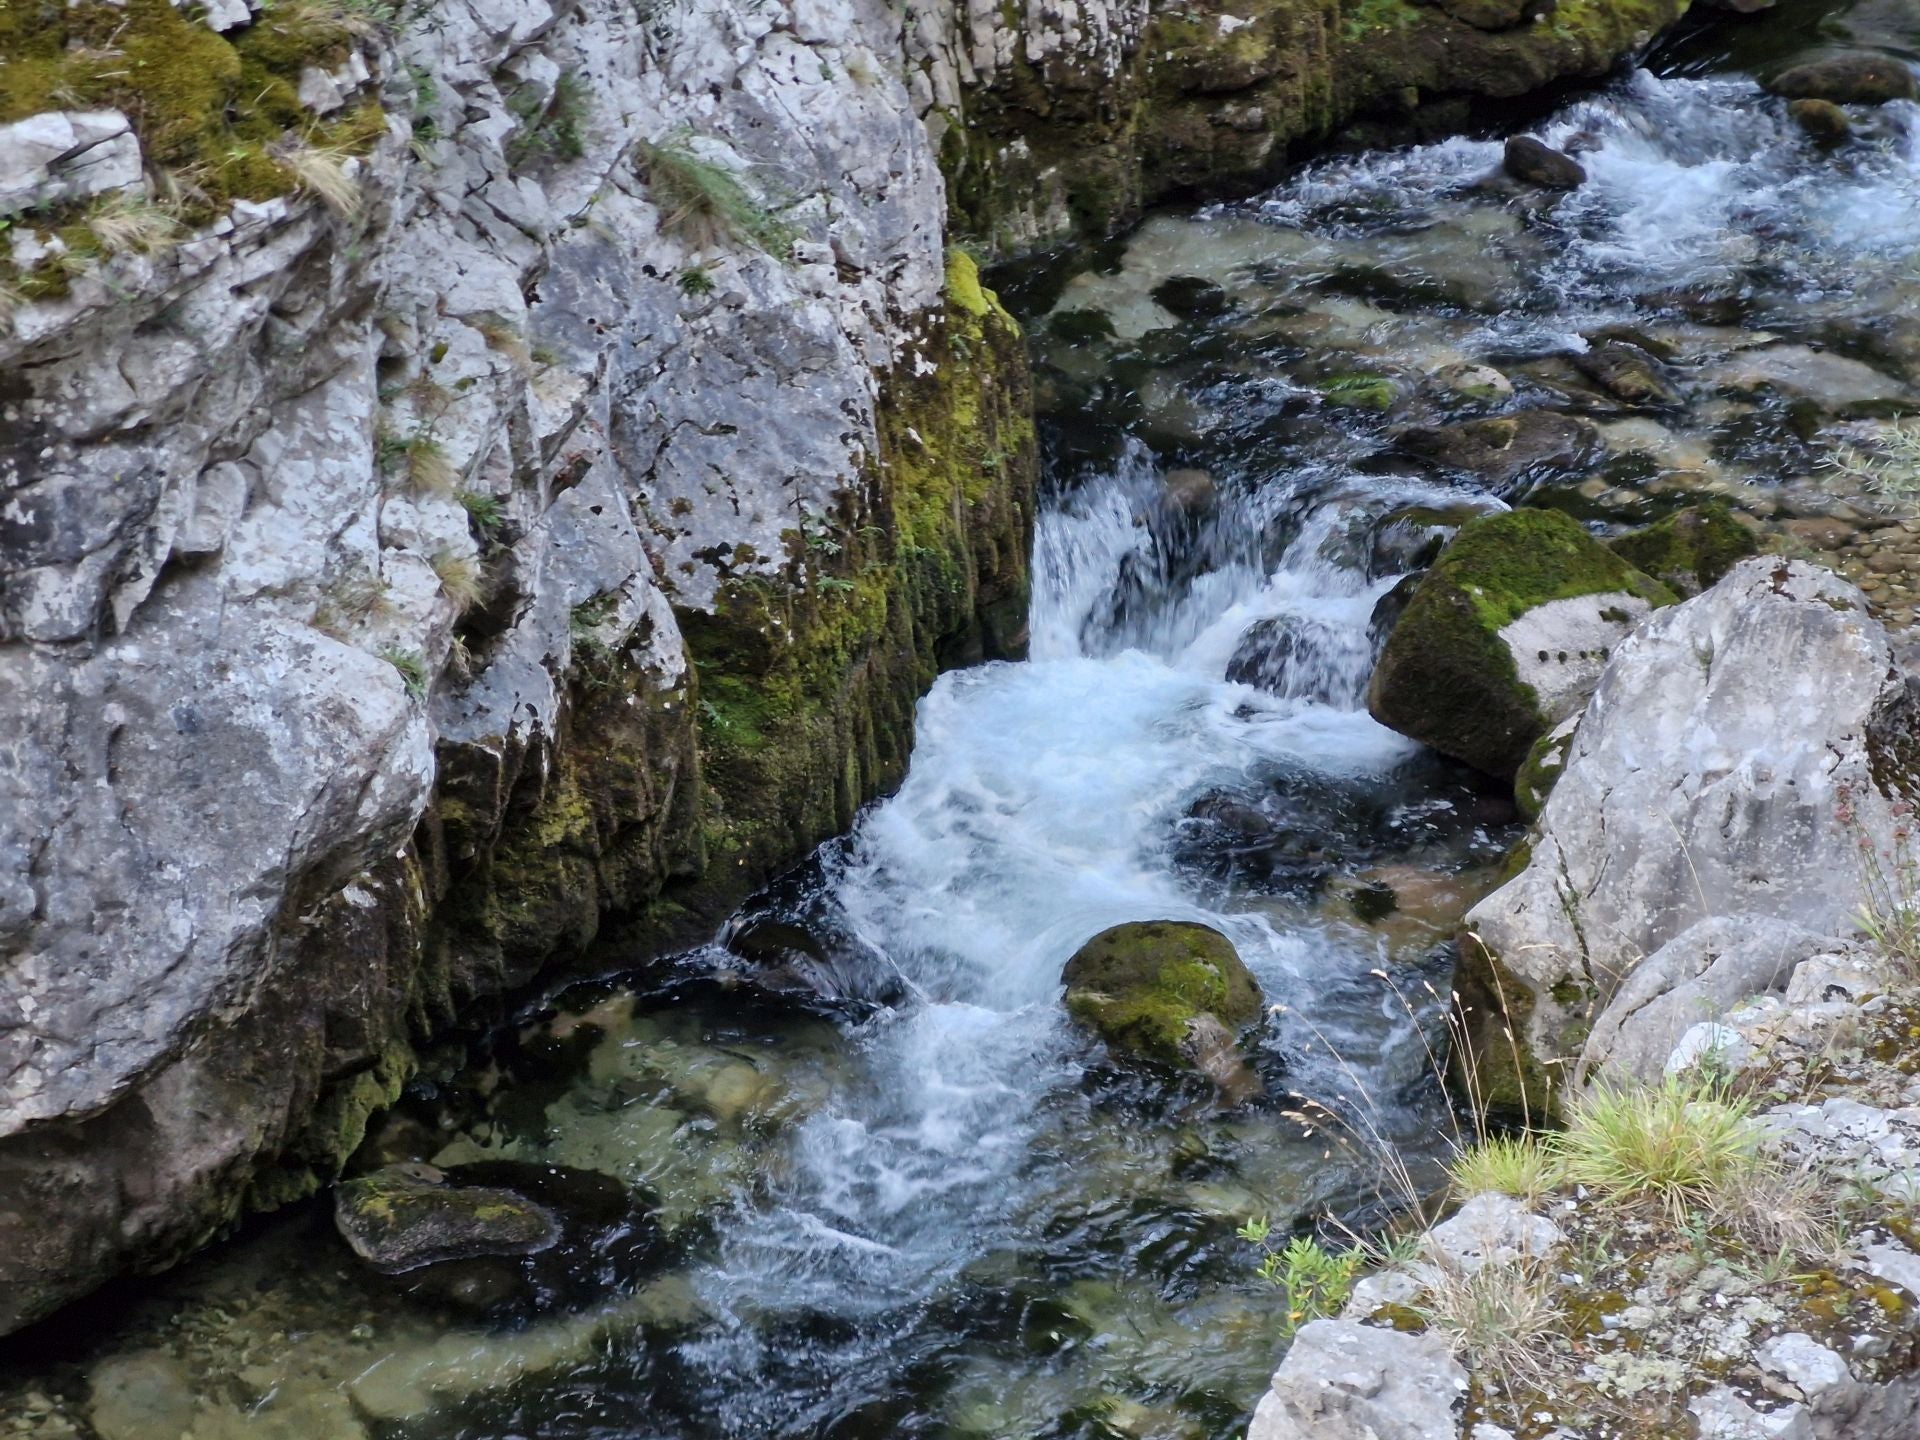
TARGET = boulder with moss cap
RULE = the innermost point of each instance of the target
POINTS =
(1690, 549)
(1506, 637)
(1163, 990)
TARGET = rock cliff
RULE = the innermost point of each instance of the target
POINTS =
(491, 479)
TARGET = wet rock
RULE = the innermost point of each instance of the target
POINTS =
(1299, 658)
(498, 1236)
(1492, 14)
(1162, 990)
(1506, 636)
(140, 1396)
(1822, 119)
(799, 948)
(1856, 79)
(1740, 750)
(1190, 492)
(1412, 538)
(1690, 549)
(405, 1216)
(1468, 381)
(1191, 297)
(1537, 163)
(1506, 449)
(1626, 372)
(1345, 1381)
(1835, 383)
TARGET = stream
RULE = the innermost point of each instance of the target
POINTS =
(952, 1216)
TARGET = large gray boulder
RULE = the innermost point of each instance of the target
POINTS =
(1741, 754)
(1346, 1381)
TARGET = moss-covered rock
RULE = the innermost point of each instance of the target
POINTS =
(1690, 549)
(1545, 760)
(405, 1216)
(1506, 636)
(1160, 990)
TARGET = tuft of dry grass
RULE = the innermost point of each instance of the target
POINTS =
(1497, 1317)
(123, 225)
(460, 579)
(429, 469)
(322, 173)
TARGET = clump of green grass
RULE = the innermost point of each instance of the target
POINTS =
(1506, 1165)
(551, 123)
(1680, 1144)
(696, 281)
(485, 511)
(412, 668)
(707, 203)
(1498, 1316)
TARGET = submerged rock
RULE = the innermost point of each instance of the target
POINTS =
(1537, 163)
(405, 1216)
(1506, 636)
(1300, 658)
(1506, 448)
(1690, 549)
(1626, 372)
(1857, 79)
(798, 947)
(1469, 381)
(1164, 990)
(1741, 751)
(497, 1236)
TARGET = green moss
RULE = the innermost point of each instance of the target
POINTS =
(1445, 676)
(1365, 392)
(1140, 986)
(1690, 549)
(1535, 779)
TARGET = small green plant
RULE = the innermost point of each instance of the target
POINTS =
(551, 123)
(1506, 1165)
(707, 203)
(1679, 1144)
(593, 655)
(485, 511)
(834, 585)
(1313, 1280)
(1885, 464)
(697, 280)
(413, 669)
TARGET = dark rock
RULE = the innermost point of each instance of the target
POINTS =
(1822, 119)
(1856, 79)
(1506, 636)
(1496, 14)
(1190, 492)
(1409, 539)
(1298, 658)
(1506, 449)
(1162, 990)
(1191, 298)
(1537, 163)
(800, 949)
(1626, 372)
(406, 1216)
(497, 1236)
(1690, 549)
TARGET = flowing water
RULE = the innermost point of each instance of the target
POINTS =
(951, 1215)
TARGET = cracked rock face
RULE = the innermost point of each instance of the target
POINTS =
(251, 483)
(1740, 752)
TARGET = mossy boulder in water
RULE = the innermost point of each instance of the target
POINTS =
(1506, 636)
(1690, 549)
(405, 1216)
(1162, 990)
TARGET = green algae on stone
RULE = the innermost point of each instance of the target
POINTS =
(1689, 549)
(1446, 677)
(403, 1217)
(1142, 987)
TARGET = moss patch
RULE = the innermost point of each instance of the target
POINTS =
(1690, 549)
(1446, 677)
(1140, 986)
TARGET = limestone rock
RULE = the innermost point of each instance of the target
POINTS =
(1163, 990)
(1740, 748)
(1506, 636)
(65, 155)
(1491, 1230)
(1854, 79)
(1699, 975)
(1347, 1381)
